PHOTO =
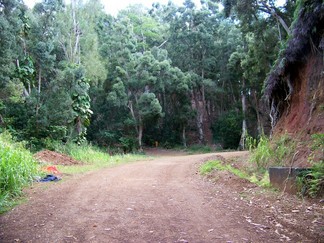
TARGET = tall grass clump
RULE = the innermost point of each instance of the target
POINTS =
(261, 155)
(85, 152)
(276, 152)
(17, 169)
(94, 158)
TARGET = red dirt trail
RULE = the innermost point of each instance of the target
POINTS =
(159, 200)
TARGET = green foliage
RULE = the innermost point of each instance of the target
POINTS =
(251, 142)
(81, 108)
(227, 129)
(268, 152)
(312, 180)
(26, 72)
(17, 169)
(208, 167)
(140, 84)
(93, 157)
(199, 148)
(149, 107)
(129, 144)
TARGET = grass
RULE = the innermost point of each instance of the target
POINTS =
(200, 149)
(275, 152)
(93, 157)
(108, 161)
(311, 182)
(208, 167)
(17, 170)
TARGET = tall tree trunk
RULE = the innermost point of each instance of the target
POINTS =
(39, 80)
(76, 34)
(256, 104)
(78, 125)
(269, 10)
(244, 126)
(199, 107)
(140, 134)
(184, 140)
(200, 120)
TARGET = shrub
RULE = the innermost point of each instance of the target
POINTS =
(270, 153)
(199, 148)
(17, 169)
(312, 181)
(262, 154)
(227, 129)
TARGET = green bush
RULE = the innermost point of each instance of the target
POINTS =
(227, 130)
(271, 153)
(17, 169)
(262, 154)
(312, 181)
(199, 148)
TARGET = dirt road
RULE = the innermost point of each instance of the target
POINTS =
(159, 200)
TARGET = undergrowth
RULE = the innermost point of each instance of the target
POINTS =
(208, 167)
(281, 151)
(311, 182)
(200, 148)
(17, 169)
(93, 157)
(275, 152)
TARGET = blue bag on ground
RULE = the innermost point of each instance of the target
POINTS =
(48, 178)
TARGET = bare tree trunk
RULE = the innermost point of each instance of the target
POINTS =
(260, 125)
(39, 80)
(184, 140)
(140, 134)
(200, 120)
(78, 125)
(76, 34)
(1, 120)
(244, 126)
(270, 10)
(201, 109)
(131, 109)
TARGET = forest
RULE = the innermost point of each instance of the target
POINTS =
(138, 120)
(168, 75)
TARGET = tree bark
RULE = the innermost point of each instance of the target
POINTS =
(184, 140)
(244, 126)
(260, 125)
(140, 135)
(270, 10)
(76, 34)
(39, 80)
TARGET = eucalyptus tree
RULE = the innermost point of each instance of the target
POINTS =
(191, 34)
(264, 27)
(248, 11)
(205, 40)
(10, 24)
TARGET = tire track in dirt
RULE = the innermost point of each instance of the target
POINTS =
(160, 200)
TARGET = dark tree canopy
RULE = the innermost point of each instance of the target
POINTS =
(173, 74)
